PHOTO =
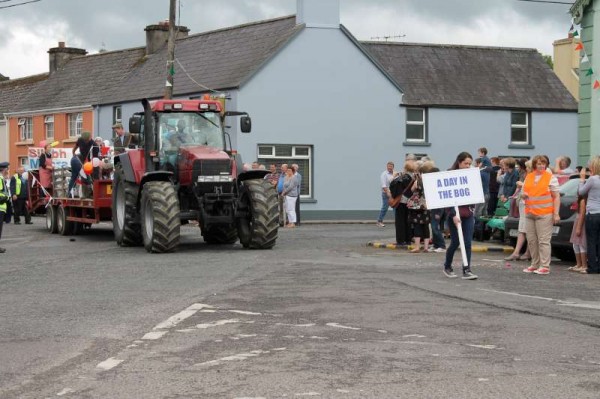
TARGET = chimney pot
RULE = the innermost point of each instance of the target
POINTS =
(61, 44)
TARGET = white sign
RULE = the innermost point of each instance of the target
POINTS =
(61, 157)
(453, 188)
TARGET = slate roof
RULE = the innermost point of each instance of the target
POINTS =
(82, 80)
(219, 59)
(473, 77)
(11, 91)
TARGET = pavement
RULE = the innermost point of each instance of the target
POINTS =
(477, 246)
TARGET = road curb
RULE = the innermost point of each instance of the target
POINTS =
(474, 248)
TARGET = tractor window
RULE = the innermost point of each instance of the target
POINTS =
(187, 129)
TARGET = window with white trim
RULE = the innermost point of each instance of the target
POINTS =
(25, 128)
(116, 114)
(416, 126)
(290, 154)
(49, 126)
(519, 128)
(75, 124)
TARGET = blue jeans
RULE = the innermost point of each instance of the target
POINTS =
(437, 217)
(384, 206)
(467, 225)
(592, 232)
(75, 169)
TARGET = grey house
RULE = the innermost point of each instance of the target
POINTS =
(459, 98)
(340, 108)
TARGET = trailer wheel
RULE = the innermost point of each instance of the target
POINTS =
(126, 230)
(51, 219)
(160, 217)
(63, 226)
(259, 227)
(220, 235)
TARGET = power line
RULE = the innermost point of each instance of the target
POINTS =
(548, 1)
(20, 4)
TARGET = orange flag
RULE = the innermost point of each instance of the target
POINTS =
(579, 46)
(596, 84)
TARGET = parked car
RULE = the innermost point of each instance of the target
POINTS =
(561, 234)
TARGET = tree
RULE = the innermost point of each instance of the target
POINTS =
(548, 59)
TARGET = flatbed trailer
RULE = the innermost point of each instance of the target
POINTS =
(70, 216)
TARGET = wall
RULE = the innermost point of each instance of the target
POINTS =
(321, 90)
(566, 61)
(452, 131)
(19, 148)
(3, 141)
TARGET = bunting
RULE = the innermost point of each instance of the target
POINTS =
(584, 64)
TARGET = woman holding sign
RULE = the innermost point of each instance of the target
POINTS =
(465, 221)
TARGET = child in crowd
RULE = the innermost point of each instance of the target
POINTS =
(578, 238)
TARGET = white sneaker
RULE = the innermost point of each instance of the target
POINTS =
(380, 224)
(440, 250)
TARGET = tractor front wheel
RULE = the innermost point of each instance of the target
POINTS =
(160, 217)
(259, 226)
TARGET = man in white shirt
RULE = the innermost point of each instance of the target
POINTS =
(385, 179)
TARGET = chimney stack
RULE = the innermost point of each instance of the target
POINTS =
(59, 56)
(318, 13)
(157, 36)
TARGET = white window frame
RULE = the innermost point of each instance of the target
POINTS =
(422, 123)
(273, 158)
(25, 128)
(117, 114)
(75, 124)
(526, 126)
(49, 126)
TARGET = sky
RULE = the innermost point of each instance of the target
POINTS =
(28, 31)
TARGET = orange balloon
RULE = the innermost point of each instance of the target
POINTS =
(88, 167)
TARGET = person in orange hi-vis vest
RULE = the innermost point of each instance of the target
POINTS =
(542, 203)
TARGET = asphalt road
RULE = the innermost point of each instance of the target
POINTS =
(321, 315)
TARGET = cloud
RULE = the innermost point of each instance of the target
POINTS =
(28, 31)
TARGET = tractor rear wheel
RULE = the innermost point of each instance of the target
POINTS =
(64, 226)
(51, 219)
(258, 228)
(160, 217)
(220, 235)
(125, 227)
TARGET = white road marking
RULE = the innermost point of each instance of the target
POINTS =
(337, 325)
(413, 336)
(296, 325)
(109, 363)
(217, 323)
(382, 331)
(238, 357)
(153, 335)
(179, 317)
(482, 379)
(208, 311)
(317, 337)
(593, 305)
(342, 390)
(308, 394)
(65, 391)
(485, 346)
(245, 312)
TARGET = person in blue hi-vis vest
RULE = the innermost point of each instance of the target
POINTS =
(4, 196)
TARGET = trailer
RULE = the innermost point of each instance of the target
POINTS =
(70, 216)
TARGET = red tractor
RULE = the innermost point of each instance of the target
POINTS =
(185, 170)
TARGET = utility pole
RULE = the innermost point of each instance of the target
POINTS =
(171, 51)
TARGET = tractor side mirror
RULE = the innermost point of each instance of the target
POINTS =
(245, 124)
(135, 124)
